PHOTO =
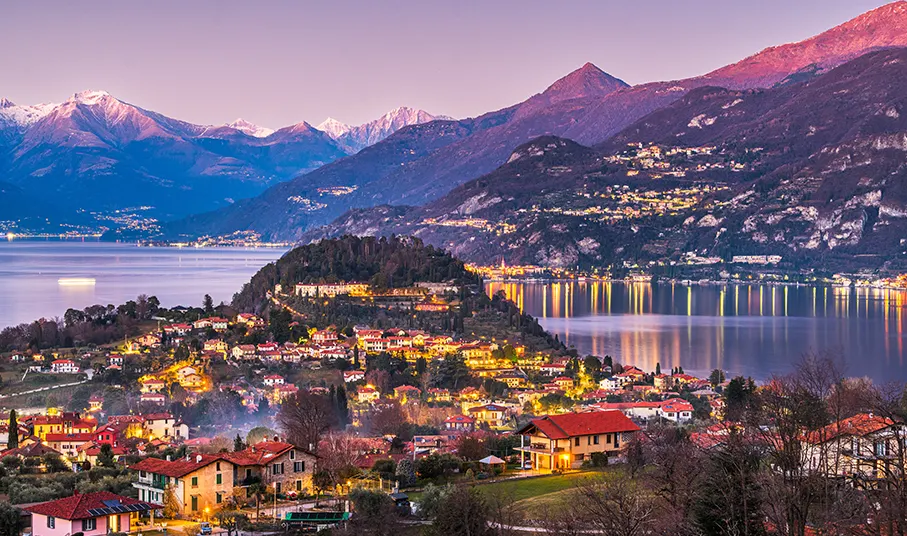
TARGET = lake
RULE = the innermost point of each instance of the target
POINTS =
(755, 330)
(30, 273)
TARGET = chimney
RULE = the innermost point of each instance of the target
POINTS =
(168, 457)
(198, 458)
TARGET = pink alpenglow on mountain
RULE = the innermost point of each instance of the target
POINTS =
(356, 138)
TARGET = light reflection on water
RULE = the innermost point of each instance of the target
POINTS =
(751, 329)
(30, 271)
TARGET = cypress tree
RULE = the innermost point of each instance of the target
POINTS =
(13, 441)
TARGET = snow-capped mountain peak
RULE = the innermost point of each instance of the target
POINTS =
(22, 116)
(356, 138)
(89, 97)
(250, 128)
(333, 128)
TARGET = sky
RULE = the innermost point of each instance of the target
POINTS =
(277, 63)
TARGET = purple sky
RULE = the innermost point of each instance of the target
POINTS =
(279, 62)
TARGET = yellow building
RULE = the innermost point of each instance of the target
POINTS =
(566, 441)
(194, 486)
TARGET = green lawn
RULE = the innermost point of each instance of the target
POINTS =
(528, 488)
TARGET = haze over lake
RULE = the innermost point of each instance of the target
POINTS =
(30, 271)
(754, 330)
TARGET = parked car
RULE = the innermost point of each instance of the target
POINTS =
(204, 528)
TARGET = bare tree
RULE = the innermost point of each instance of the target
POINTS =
(616, 507)
(304, 417)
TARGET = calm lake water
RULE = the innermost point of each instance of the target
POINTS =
(30, 271)
(754, 330)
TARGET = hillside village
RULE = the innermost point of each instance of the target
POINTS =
(209, 419)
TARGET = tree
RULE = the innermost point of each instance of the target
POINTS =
(231, 520)
(171, 503)
(258, 434)
(406, 473)
(105, 456)
(238, 444)
(13, 441)
(208, 305)
(739, 396)
(728, 501)
(304, 417)
(79, 399)
(387, 418)
(616, 507)
(464, 512)
(716, 378)
(376, 513)
(10, 520)
(471, 448)
(592, 365)
(658, 369)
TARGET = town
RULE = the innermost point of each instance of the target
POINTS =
(357, 390)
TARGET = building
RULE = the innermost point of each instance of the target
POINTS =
(407, 392)
(565, 441)
(90, 514)
(191, 485)
(331, 290)
(64, 366)
(493, 415)
(68, 444)
(460, 423)
(366, 394)
(352, 376)
(864, 447)
(282, 466)
(153, 398)
(164, 426)
(272, 380)
(65, 423)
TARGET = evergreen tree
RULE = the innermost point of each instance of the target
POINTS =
(105, 457)
(658, 369)
(13, 441)
(208, 304)
(238, 444)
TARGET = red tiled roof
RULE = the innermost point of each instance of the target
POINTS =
(28, 451)
(175, 469)
(858, 425)
(460, 418)
(85, 436)
(578, 424)
(77, 506)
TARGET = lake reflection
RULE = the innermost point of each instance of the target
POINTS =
(753, 330)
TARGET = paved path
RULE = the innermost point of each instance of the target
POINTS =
(42, 389)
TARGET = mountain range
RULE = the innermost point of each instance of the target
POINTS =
(420, 164)
(96, 153)
(355, 138)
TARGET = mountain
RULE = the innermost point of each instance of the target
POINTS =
(354, 139)
(250, 128)
(416, 164)
(587, 106)
(96, 153)
(811, 171)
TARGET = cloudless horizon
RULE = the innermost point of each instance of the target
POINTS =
(277, 63)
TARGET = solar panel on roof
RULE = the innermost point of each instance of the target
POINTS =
(111, 502)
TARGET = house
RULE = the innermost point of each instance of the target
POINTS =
(149, 340)
(563, 383)
(177, 330)
(865, 447)
(436, 394)
(68, 444)
(279, 465)
(64, 366)
(367, 393)
(565, 441)
(153, 398)
(282, 392)
(65, 423)
(89, 452)
(493, 415)
(164, 425)
(676, 409)
(460, 423)
(193, 484)
(115, 359)
(216, 345)
(351, 376)
(274, 379)
(640, 409)
(324, 336)
(250, 321)
(90, 514)
(95, 403)
(243, 351)
(152, 385)
(407, 392)
(553, 369)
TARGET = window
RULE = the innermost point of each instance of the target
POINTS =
(299, 485)
(195, 503)
(220, 478)
(881, 448)
(292, 454)
(195, 482)
(51, 522)
(298, 467)
(576, 442)
(217, 466)
(218, 498)
(595, 440)
(608, 438)
(277, 469)
(89, 524)
(248, 473)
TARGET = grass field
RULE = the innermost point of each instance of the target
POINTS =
(528, 489)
